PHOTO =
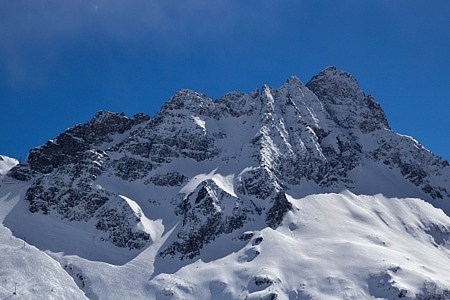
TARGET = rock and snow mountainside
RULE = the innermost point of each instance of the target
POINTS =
(300, 192)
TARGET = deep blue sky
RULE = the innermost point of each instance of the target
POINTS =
(62, 61)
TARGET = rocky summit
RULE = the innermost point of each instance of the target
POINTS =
(205, 173)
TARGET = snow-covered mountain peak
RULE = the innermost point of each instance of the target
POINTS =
(228, 185)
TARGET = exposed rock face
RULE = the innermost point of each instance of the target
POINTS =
(207, 213)
(64, 171)
(175, 132)
(72, 144)
(339, 91)
(224, 164)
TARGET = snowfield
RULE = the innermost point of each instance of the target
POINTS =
(27, 272)
(330, 246)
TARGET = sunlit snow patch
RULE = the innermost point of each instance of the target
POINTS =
(6, 164)
(224, 182)
(199, 122)
(153, 228)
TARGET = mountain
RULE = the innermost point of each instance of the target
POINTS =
(300, 192)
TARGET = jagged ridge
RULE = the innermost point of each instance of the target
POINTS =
(308, 138)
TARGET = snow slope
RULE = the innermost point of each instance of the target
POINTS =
(329, 246)
(26, 272)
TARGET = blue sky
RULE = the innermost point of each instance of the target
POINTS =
(62, 61)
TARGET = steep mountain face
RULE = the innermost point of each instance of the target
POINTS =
(226, 169)
(63, 172)
(340, 93)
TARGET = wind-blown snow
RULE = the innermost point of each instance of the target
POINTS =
(224, 182)
(151, 227)
(6, 164)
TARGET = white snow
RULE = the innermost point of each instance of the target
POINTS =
(6, 164)
(25, 269)
(330, 246)
(154, 228)
(225, 182)
(199, 122)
